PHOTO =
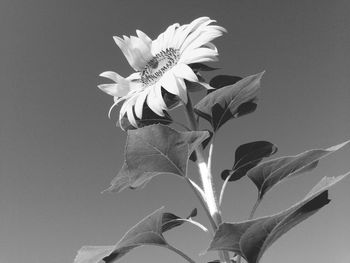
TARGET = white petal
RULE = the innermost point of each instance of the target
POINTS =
(115, 90)
(154, 102)
(178, 37)
(182, 90)
(169, 35)
(183, 71)
(157, 45)
(122, 45)
(126, 108)
(111, 75)
(110, 109)
(169, 83)
(195, 34)
(139, 104)
(144, 37)
(198, 55)
(123, 109)
(190, 28)
(140, 53)
(134, 76)
(142, 47)
(158, 93)
(131, 117)
(209, 34)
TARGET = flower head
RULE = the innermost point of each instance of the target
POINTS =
(162, 63)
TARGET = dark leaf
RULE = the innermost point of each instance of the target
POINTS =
(205, 143)
(154, 150)
(171, 100)
(170, 220)
(193, 213)
(148, 231)
(250, 239)
(197, 86)
(248, 156)
(221, 81)
(268, 174)
(230, 101)
(201, 67)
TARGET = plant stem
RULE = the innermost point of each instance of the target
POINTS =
(179, 252)
(206, 178)
(203, 203)
(257, 203)
(202, 166)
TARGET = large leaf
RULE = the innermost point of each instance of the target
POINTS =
(266, 175)
(148, 231)
(248, 156)
(230, 101)
(250, 239)
(154, 150)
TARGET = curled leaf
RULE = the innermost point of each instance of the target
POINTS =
(247, 156)
(154, 150)
(266, 175)
(252, 238)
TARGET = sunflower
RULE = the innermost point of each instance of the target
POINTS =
(159, 64)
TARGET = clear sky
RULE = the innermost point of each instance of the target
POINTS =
(58, 149)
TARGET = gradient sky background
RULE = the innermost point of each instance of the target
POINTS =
(59, 150)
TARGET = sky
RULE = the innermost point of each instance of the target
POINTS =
(59, 150)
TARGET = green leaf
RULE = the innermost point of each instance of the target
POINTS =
(154, 150)
(266, 175)
(252, 238)
(248, 156)
(230, 101)
(148, 231)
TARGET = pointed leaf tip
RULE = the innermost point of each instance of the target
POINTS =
(149, 231)
(252, 238)
(268, 174)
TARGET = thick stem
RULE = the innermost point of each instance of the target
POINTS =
(203, 203)
(179, 252)
(205, 174)
(206, 178)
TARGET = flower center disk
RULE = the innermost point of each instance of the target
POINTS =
(158, 65)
